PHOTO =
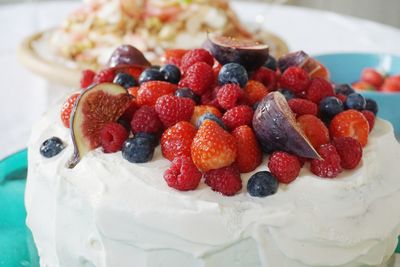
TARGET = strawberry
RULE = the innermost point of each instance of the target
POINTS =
(213, 147)
(249, 155)
(321, 72)
(371, 76)
(267, 77)
(391, 84)
(363, 86)
(87, 78)
(174, 56)
(177, 139)
(173, 109)
(67, 108)
(255, 91)
(150, 91)
(314, 129)
(198, 77)
(203, 109)
(194, 56)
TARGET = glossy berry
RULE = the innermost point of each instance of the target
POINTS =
(224, 180)
(154, 139)
(238, 116)
(198, 77)
(391, 84)
(267, 77)
(329, 166)
(195, 56)
(182, 174)
(372, 77)
(228, 95)
(87, 78)
(355, 101)
(295, 79)
(176, 140)
(112, 136)
(255, 91)
(104, 76)
(125, 80)
(249, 155)
(262, 184)
(146, 119)
(173, 109)
(329, 107)
(371, 105)
(303, 106)
(287, 94)
(150, 74)
(188, 93)
(344, 89)
(174, 56)
(200, 110)
(51, 147)
(138, 150)
(171, 73)
(314, 129)
(233, 73)
(319, 89)
(209, 116)
(149, 92)
(284, 166)
(349, 150)
(67, 109)
(370, 118)
(270, 63)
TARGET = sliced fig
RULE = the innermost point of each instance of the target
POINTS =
(96, 106)
(246, 52)
(292, 59)
(127, 55)
(276, 128)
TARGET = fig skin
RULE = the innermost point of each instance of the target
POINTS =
(250, 54)
(276, 128)
(127, 55)
(292, 59)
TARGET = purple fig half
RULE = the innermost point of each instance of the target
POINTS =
(297, 59)
(96, 106)
(276, 128)
(248, 53)
(127, 55)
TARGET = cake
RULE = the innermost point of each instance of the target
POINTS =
(106, 211)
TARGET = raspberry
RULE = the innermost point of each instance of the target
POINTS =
(228, 95)
(267, 77)
(319, 89)
(314, 129)
(249, 155)
(177, 139)
(295, 79)
(237, 116)
(182, 174)
(329, 165)
(87, 78)
(174, 56)
(199, 77)
(284, 166)
(369, 115)
(350, 123)
(104, 76)
(254, 91)
(225, 180)
(146, 120)
(372, 77)
(112, 137)
(128, 114)
(67, 108)
(195, 56)
(173, 109)
(349, 150)
(203, 109)
(303, 106)
(210, 98)
(150, 91)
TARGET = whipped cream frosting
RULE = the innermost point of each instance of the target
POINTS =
(107, 212)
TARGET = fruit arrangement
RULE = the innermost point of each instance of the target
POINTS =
(215, 116)
(373, 80)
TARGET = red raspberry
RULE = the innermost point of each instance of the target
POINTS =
(303, 106)
(177, 139)
(370, 116)
(182, 174)
(173, 109)
(199, 77)
(284, 166)
(195, 56)
(128, 114)
(210, 98)
(319, 89)
(104, 76)
(255, 91)
(249, 155)
(87, 78)
(228, 95)
(112, 136)
(237, 116)
(342, 97)
(314, 129)
(349, 150)
(267, 77)
(146, 120)
(372, 77)
(329, 166)
(225, 180)
(295, 79)
(67, 108)
(150, 91)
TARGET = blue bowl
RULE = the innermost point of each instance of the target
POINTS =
(347, 67)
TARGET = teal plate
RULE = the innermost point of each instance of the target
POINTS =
(17, 248)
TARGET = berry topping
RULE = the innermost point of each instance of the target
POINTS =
(67, 108)
(188, 93)
(173, 109)
(271, 63)
(249, 155)
(199, 77)
(145, 119)
(237, 116)
(262, 184)
(344, 89)
(349, 150)
(209, 116)
(150, 91)
(255, 91)
(87, 78)
(203, 109)
(225, 180)
(329, 166)
(295, 79)
(371, 105)
(150, 74)
(138, 150)
(350, 123)
(284, 166)
(182, 174)
(303, 106)
(372, 77)
(267, 77)
(319, 89)
(355, 101)
(228, 95)
(314, 129)
(370, 118)
(213, 147)
(171, 73)
(51, 147)
(329, 107)
(125, 80)
(154, 139)
(112, 136)
(233, 73)
(195, 56)
(177, 139)
(104, 76)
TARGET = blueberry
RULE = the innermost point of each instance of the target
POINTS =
(287, 94)
(51, 147)
(171, 73)
(153, 138)
(188, 93)
(371, 105)
(355, 101)
(270, 63)
(233, 73)
(209, 116)
(150, 74)
(125, 80)
(262, 184)
(138, 150)
(255, 105)
(344, 89)
(330, 106)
